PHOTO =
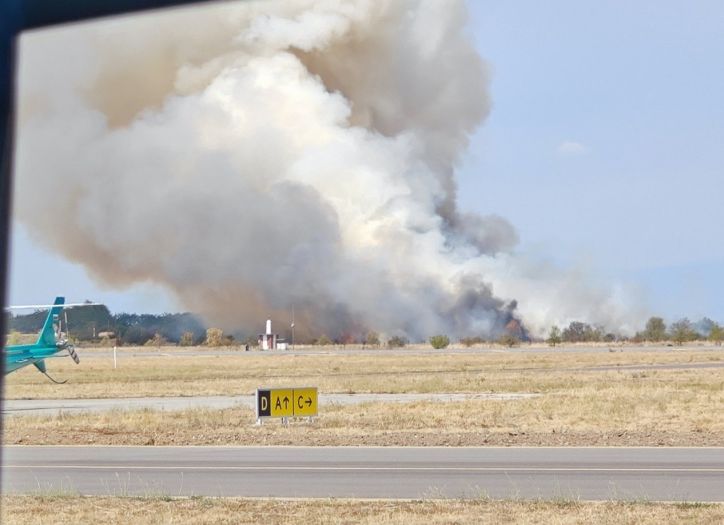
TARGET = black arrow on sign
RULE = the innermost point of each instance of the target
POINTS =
(286, 402)
(309, 401)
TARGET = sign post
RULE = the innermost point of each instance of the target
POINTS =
(286, 403)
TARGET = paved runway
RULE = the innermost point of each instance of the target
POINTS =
(406, 351)
(670, 474)
(20, 407)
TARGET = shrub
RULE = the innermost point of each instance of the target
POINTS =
(187, 339)
(372, 339)
(13, 338)
(323, 340)
(396, 342)
(157, 340)
(470, 341)
(439, 342)
(214, 337)
(251, 341)
(508, 340)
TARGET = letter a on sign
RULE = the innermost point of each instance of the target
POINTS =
(282, 402)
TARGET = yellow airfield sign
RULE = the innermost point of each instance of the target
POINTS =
(286, 402)
(305, 401)
(282, 402)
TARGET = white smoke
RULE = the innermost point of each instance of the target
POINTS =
(255, 156)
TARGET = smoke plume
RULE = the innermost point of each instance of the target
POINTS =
(258, 156)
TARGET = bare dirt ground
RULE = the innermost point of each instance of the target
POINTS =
(26, 510)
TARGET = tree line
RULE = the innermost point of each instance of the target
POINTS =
(95, 323)
(655, 331)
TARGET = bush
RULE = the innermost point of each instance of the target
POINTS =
(323, 340)
(470, 341)
(157, 340)
(251, 341)
(13, 338)
(397, 342)
(187, 339)
(214, 337)
(508, 340)
(137, 335)
(439, 342)
(372, 339)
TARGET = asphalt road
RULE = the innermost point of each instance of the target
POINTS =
(20, 407)
(668, 474)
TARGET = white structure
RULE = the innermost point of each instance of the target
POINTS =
(268, 341)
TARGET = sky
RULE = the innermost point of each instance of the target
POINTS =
(604, 148)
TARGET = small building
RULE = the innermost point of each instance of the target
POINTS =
(268, 341)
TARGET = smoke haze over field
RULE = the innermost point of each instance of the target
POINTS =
(257, 156)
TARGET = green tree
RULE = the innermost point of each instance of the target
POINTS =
(716, 334)
(682, 331)
(214, 337)
(704, 326)
(655, 330)
(597, 334)
(578, 332)
(554, 337)
(439, 342)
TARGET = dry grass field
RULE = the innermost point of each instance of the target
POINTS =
(173, 373)
(27, 510)
(578, 405)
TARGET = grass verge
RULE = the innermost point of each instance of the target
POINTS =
(605, 409)
(25, 510)
(578, 405)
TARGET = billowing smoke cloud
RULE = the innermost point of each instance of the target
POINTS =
(256, 156)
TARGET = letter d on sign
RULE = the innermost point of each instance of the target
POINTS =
(263, 404)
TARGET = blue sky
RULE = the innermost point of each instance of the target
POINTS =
(604, 147)
(605, 142)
